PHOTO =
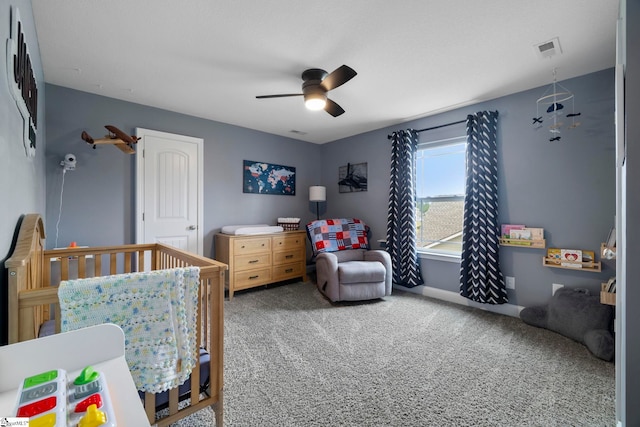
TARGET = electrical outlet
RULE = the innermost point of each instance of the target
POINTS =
(555, 287)
(510, 282)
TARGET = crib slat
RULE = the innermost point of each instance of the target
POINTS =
(82, 266)
(64, 268)
(113, 263)
(141, 261)
(97, 265)
(150, 407)
(127, 262)
(173, 400)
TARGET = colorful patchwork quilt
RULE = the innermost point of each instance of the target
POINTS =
(332, 235)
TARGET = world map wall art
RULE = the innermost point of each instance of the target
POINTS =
(267, 178)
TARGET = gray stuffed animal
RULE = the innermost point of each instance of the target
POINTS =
(578, 315)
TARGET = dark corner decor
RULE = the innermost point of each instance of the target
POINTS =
(480, 277)
(352, 177)
(267, 178)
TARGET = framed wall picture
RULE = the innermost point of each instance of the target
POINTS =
(268, 178)
(352, 177)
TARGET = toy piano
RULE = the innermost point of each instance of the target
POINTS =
(50, 399)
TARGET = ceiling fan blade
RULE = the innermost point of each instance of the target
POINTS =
(278, 96)
(332, 108)
(338, 77)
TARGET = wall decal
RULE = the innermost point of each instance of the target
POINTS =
(22, 82)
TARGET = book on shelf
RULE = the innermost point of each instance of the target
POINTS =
(588, 256)
(611, 238)
(506, 229)
(517, 242)
(553, 255)
(571, 258)
(522, 234)
(611, 285)
(536, 233)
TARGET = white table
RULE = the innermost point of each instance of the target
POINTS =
(100, 346)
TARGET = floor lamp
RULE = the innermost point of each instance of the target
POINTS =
(317, 193)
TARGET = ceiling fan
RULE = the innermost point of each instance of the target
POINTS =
(315, 85)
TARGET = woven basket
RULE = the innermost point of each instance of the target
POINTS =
(289, 226)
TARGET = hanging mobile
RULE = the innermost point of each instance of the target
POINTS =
(554, 99)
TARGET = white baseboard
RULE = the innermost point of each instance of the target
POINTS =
(506, 309)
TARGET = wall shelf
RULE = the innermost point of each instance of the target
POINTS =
(607, 297)
(525, 243)
(592, 266)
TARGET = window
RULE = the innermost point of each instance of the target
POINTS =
(440, 181)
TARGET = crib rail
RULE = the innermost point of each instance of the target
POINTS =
(34, 275)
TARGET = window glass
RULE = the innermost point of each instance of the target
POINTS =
(440, 181)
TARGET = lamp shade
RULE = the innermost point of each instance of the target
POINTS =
(317, 193)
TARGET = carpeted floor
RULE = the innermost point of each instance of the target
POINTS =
(294, 359)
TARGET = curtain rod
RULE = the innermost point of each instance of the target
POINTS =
(436, 127)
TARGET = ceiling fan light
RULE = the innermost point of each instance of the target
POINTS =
(315, 101)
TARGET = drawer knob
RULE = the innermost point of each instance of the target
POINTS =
(288, 270)
(289, 256)
(253, 261)
(253, 277)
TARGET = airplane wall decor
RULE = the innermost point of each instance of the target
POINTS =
(115, 137)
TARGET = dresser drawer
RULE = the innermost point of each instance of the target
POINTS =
(283, 257)
(251, 261)
(248, 246)
(285, 271)
(249, 279)
(288, 242)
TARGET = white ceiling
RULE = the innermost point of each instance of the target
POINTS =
(414, 58)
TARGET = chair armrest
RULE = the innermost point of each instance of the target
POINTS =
(378, 255)
(327, 275)
(384, 258)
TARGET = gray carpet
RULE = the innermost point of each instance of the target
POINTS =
(294, 359)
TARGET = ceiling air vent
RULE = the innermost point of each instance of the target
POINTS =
(549, 48)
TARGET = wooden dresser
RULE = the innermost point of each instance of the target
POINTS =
(261, 259)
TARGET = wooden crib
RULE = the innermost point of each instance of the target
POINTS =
(34, 274)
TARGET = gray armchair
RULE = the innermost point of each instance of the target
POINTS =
(346, 269)
(354, 275)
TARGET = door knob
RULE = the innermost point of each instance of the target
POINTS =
(193, 227)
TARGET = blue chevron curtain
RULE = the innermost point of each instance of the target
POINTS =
(480, 276)
(401, 217)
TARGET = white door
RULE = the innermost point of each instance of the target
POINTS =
(169, 190)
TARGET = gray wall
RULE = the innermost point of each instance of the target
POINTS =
(98, 200)
(566, 187)
(22, 179)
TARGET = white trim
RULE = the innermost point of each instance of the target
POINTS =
(427, 291)
(439, 256)
(461, 139)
